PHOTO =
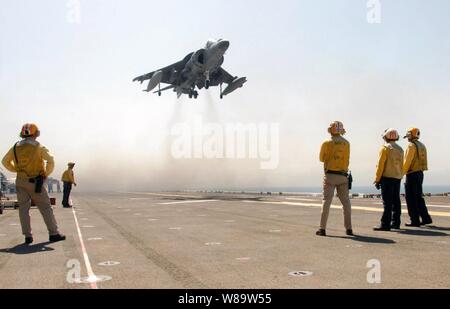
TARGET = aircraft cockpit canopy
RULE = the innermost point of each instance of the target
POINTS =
(211, 42)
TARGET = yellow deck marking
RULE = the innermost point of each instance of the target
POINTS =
(380, 209)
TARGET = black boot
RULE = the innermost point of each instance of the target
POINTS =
(412, 224)
(349, 232)
(395, 226)
(28, 240)
(382, 229)
(321, 233)
(426, 222)
(57, 237)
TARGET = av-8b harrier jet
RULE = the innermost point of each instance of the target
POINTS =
(200, 69)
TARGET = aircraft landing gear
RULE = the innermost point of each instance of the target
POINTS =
(193, 94)
(159, 90)
(207, 80)
(221, 94)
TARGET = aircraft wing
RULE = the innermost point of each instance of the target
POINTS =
(167, 72)
(221, 76)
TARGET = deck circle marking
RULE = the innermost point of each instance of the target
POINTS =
(93, 279)
(109, 263)
(301, 273)
(243, 259)
(355, 246)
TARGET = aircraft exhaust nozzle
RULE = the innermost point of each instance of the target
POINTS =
(154, 81)
(238, 83)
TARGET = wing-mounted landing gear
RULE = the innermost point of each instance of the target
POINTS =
(159, 90)
(221, 94)
(207, 80)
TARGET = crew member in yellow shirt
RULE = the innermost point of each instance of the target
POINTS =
(416, 162)
(388, 178)
(33, 163)
(335, 155)
(68, 179)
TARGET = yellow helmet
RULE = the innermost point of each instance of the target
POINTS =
(28, 130)
(413, 133)
(336, 128)
(391, 135)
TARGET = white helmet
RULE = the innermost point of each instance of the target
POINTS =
(391, 135)
(336, 128)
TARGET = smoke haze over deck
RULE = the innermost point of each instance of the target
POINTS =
(308, 63)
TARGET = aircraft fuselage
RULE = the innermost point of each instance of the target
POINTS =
(202, 63)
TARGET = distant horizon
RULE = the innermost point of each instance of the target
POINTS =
(443, 189)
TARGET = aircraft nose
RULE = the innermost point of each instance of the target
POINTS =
(223, 45)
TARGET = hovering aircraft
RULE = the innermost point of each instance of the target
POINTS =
(200, 69)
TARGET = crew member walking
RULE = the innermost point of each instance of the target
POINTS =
(388, 178)
(68, 179)
(415, 164)
(335, 154)
(27, 158)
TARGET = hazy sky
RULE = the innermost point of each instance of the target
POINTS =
(308, 63)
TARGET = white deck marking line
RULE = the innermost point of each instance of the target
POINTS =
(428, 205)
(376, 203)
(140, 198)
(188, 202)
(300, 199)
(91, 276)
(162, 194)
(433, 213)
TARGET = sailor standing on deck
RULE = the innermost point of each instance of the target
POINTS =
(27, 158)
(68, 179)
(335, 155)
(388, 178)
(414, 165)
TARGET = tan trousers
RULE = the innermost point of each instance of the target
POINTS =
(25, 193)
(340, 183)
